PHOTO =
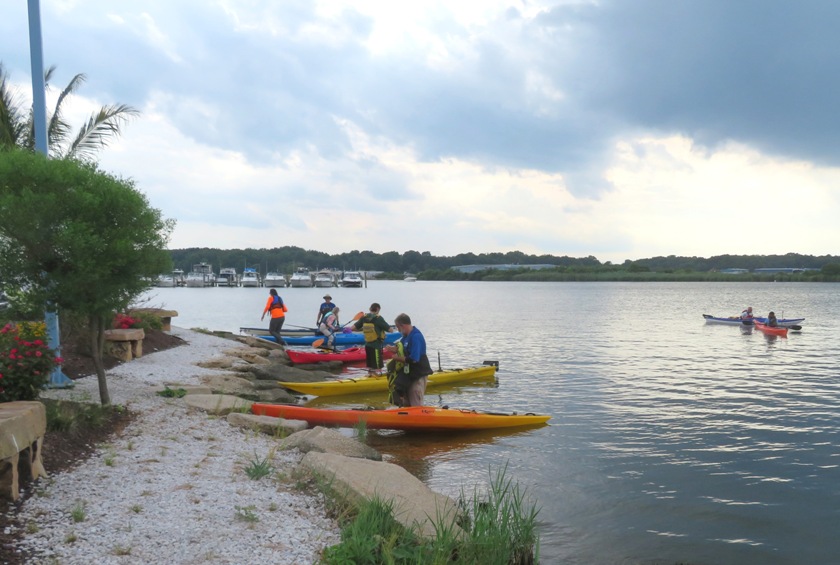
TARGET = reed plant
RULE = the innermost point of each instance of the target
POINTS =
(496, 527)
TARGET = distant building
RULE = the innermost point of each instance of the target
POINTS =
(503, 267)
(774, 270)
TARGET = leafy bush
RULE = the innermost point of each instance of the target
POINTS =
(26, 361)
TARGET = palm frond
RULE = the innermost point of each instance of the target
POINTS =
(57, 129)
(12, 123)
(99, 129)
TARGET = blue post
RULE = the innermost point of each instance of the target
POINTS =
(39, 109)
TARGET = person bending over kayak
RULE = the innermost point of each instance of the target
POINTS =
(328, 326)
(278, 309)
(374, 327)
(412, 377)
(771, 320)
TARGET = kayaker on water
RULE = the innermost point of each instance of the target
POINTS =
(278, 309)
(771, 320)
(329, 324)
(327, 306)
(747, 314)
(411, 380)
(374, 327)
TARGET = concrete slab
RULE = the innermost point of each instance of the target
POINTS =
(219, 404)
(415, 504)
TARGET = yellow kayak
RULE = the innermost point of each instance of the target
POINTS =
(380, 383)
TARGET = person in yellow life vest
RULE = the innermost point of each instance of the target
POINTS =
(374, 328)
(277, 308)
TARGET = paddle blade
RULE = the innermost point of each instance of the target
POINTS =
(355, 318)
(318, 342)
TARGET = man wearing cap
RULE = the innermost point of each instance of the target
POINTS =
(325, 308)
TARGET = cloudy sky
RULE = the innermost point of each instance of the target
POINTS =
(620, 129)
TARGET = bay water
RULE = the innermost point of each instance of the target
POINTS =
(670, 440)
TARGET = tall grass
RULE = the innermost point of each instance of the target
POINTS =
(496, 527)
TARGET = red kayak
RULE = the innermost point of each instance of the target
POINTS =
(771, 330)
(349, 355)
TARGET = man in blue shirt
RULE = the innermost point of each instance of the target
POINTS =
(327, 306)
(417, 366)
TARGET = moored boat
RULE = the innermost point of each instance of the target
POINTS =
(770, 330)
(166, 281)
(250, 278)
(301, 278)
(352, 279)
(420, 418)
(201, 276)
(274, 279)
(227, 277)
(324, 279)
(735, 320)
(350, 355)
(380, 383)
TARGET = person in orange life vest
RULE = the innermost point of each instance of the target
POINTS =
(277, 309)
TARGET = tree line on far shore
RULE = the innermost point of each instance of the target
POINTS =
(426, 266)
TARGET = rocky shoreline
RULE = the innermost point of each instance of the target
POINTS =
(174, 488)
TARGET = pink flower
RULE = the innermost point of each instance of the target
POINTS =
(38, 354)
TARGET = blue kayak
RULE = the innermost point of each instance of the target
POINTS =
(353, 338)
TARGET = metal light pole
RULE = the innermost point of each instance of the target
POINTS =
(39, 111)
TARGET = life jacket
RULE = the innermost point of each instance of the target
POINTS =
(370, 331)
(396, 368)
(276, 303)
(326, 324)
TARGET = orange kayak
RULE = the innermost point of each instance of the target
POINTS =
(426, 418)
(770, 330)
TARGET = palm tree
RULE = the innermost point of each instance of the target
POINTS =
(17, 126)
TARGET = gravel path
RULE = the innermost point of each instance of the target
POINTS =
(173, 489)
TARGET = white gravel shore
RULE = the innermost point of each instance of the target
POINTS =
(173, 489)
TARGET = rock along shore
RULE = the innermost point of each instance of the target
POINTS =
(173, 488)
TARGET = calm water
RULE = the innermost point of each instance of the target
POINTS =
(670, 440)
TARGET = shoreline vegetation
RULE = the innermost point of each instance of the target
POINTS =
(518, 266)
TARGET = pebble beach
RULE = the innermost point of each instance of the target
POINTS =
(173, 487)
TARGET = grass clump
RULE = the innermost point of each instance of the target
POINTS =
(70, 417)
(258, 468)
(79, 512)
(361, 430)
(247, 514)
(172, 392)
(494, 528)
